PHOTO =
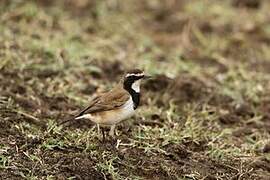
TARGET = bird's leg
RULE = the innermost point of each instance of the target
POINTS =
(98, 129)
(103, 134)
(111, 133)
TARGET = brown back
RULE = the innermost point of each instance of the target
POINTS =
(107, 101)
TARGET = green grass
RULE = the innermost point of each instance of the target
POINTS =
(55, 57)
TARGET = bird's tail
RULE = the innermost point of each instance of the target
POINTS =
(73, 118)
(67, 120)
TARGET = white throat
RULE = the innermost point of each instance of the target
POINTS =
(136, 86)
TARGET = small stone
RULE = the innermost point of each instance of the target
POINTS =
(266, 148)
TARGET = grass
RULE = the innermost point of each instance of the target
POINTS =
(205, 115)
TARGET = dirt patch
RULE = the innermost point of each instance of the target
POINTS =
(89, 89)
(222, 101)
(56, 103)
(194, 146)
(237, 114)
(185, 89)
(208, 62)
(158, 83)
(109, 70)
(253, 4)
(80, 166)
(259, 65)
(182, 89)
(229, 119)
(11, 83)
(177, 151)
(243, 131)
(164, 16)
(261, 163)
(188, 89)
(46, 73)
(264, 108)
(27, 103)
(244, 110)
(140, 163)
(181, 161)
(6, 123)
(266, 148)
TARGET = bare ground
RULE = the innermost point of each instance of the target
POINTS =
(205, 115)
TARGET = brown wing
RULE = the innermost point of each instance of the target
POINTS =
(108, 101)
(92, 103)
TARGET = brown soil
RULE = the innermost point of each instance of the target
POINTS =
(28, 103)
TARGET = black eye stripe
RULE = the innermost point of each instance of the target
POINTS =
(135, 71)
(134, 77)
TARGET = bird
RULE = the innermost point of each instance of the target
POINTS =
(116, 105)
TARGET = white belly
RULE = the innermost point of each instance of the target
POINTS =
(113, 116)
(127, 111)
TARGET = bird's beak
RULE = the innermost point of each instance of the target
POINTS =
(147, 77)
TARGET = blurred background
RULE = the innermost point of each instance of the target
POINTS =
(157, 35)
(204, 115)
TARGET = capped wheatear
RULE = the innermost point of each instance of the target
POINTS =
(114, 106)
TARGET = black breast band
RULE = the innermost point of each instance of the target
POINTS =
(134, 95)
(135, 98)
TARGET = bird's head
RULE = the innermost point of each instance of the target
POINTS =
(132, 79)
